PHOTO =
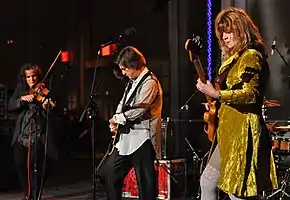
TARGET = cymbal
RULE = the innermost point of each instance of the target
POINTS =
(272, 103)
(282, 128)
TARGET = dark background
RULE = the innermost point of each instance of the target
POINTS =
(35, 31)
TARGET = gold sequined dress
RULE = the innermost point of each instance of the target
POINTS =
(247, 164)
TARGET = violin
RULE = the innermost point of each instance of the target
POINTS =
(39, 91)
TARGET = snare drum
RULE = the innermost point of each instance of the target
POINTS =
(275, 143)
(285, 144)
(281, 143)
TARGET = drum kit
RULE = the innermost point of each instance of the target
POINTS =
(280, 135)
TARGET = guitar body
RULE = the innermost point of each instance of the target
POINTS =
(117, 133)
(210, 118)
(115, 138)
(193, 46)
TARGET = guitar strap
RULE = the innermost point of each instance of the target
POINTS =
(220, 79)
(135, 90)
(128, 88)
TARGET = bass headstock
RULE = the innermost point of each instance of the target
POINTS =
(194, 46)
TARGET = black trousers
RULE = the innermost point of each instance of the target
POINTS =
(117, 167)
(23, 167)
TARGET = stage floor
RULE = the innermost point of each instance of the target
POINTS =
(69, 180)
(78, 191)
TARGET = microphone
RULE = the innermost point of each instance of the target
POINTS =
(129, 32)
(273, 47)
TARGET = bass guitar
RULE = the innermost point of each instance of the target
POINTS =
(193, 46)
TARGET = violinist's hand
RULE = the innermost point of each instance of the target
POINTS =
(207, 88)
(47, 103)
(29, 98)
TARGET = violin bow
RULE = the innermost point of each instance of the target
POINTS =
(51, 66)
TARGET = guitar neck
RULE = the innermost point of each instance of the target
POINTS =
(201, 74)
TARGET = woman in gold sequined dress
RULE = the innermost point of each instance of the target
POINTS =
(242, 164)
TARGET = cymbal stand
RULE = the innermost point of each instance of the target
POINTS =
(283, 187)
(264, 112)
(274, 47)
(196, 160)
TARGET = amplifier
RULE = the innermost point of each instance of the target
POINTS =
(172, 180)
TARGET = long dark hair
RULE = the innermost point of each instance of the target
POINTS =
(22, 78)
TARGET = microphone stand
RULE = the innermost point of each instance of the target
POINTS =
(280, 54)
(196, 159)
(90, 108)
(33, 145)
(47, 112)
(185, 104)
(34, 149)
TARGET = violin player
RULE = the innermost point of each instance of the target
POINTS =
(29, 132)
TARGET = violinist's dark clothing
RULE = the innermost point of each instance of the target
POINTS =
(28, 139)
(30, 120)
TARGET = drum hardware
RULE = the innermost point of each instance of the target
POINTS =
(282, 189)
(271, 103)
(281, 150)
(278, 157)
(264, 110)
(278, 121)
(280, 144)
(267, 104)
(282, 128)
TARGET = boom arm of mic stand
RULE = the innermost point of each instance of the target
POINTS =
(182, 107)
(195, 154)
(281, 56)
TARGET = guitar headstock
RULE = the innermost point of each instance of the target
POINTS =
(193, 46)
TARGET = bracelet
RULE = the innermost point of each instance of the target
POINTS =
(219, 97)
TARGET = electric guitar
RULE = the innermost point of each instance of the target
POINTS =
(193, 46)
(117, 132)
(115, 138)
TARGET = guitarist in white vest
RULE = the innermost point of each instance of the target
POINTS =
(137, 126)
